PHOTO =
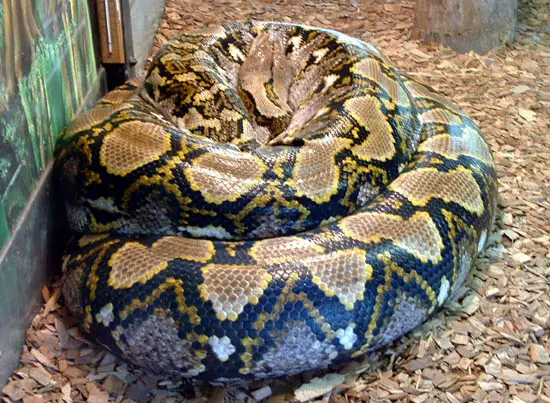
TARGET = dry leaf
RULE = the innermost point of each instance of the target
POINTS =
(539, 354)
(528, 115)
(261, 394)
(318, 387)
(40, 375)
(66, 390)
(520, 89)
(521, 257)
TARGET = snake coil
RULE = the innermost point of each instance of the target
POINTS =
(272, 198)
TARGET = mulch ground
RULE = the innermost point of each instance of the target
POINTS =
(490, 345)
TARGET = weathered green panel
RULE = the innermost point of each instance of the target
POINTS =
(47, 64)
(47, 71)
(4, 229)
(22, 273)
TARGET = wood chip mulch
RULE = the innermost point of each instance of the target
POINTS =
(491, 345)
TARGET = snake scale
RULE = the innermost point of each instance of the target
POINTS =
(271, 198)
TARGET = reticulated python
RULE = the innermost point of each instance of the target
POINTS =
(272, 198)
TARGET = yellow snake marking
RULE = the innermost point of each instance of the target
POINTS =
(136, 263)
(185, 77)
(230, 115)
(231, 249)
(250, 344)
(96, 226)
(458, 186)
(224, 175)
(123, 152)
(213, 32)
(164, 177)
(92, 177)
(88, 318)
(271, 193)
(156, 79)
(95, 117)
(82, 146)
(379, 145)
(342, 274)
(391, 269)
(80, 261)
(300, 57)
(370, 68)
(316, 173)
(418, 234)
(287, 296)
(236, 52)
(120, 96)
(260, 200)
(351, 167)
(92, 238)
(470, 144)
(199, 98)
(439, 115)
(93, 278)
(279, 250)
(170, 283)
(419, 90)
(455, 226)
(193, 120)
(231, 287)
(377, 174)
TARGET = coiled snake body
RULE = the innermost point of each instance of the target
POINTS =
(272, 198)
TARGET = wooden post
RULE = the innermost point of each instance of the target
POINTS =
(466, 25)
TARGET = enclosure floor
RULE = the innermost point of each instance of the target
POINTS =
(491, 345)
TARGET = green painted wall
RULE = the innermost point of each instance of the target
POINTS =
(48, 72)
(47, 64)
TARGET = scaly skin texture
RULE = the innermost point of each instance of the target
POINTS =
(273, 198)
